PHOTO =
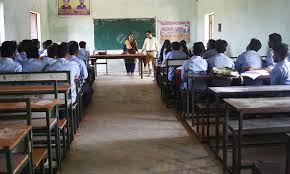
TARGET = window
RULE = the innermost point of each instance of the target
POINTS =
(2, 28)
(35, 25)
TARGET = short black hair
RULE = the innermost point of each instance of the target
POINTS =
(183, 43)
(46, 44)
(65, 44)
(276, 39)
(82, 44)
(281, 50)
(221, 46)
(73, 47)
(52, 50)
(198, 48)
(8, 48)
(149, 31)
(211, 44)
(62, 51)
(175, 45)
(255, 45)
(49, 42)
(20, 47)
(31, 50)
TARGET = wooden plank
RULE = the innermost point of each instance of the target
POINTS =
(11, 135)
(118, 56)
(49, 76)
(35, 123)
(33, 89)
(18, 161)
(36, 106)
(38, 155)
(249, 89)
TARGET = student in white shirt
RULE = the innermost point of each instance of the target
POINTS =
(84, 54)
(21, 55)
(8, 54)
(45, 45)
(275, 40)
(220, 60)
(51, 54)
(63, 64)
(211, 49)
(151, 46)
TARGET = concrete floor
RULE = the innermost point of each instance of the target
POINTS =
(127, 130)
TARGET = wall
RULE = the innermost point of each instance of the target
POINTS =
(245, 19)
(17, 19)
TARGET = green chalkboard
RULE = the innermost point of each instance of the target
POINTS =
(110, 34)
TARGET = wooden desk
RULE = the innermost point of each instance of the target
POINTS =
(242, 91)
(47, 107)
(250, 106)
(33, 89)
(141, 58)
(10, 137)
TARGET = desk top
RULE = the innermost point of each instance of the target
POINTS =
(10, 136)
(260, 105)
(208, 76)
(250, 89)
(36, 106)
(117, 56)
(33, 89)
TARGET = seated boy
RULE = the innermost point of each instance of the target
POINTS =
(250, 60)
(211, 49)
(73, 47)
(8, 53)
(280, 75)
(274, 41)
(33, 63)
(21, 55)
(220, 60)
(51, 54)
(84, 54)
(174, 54)
(195, 65)
(63, 64)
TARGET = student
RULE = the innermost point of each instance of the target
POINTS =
(280, 75)
(183, 47)
(37, 43)
(73, 47)
(211, 49)
(275, 40)
(195, 65)
(33, 63)
(166, 48)
(84, 54)
(45, 45)
(8, 53)
(63, 64)
(21, 55)
(174, 54)
(220, 60)
(51, 54)
(250, 60)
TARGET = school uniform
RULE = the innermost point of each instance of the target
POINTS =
(195, 65)
(220, 61)
(7, 64)
(84, 55)
(280, 75)
(20, 57)
(210, 53)
(175, 54)
(49, 60)
(82, 66)
(63, 64)
(270, 60)
(33, 65)
(251, 59)
(43, 53)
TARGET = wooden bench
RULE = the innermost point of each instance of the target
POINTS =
(39, 156)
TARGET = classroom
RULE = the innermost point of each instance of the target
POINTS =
(144, 87)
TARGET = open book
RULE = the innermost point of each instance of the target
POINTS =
(255, 74)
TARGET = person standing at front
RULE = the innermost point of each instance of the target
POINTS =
(151, 46)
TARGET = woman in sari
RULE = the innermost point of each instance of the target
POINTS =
(130, 47)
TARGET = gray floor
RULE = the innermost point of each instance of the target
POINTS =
(127, 130)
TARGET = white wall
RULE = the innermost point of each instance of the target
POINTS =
(244, 19)
(82, 28)
(17, 19)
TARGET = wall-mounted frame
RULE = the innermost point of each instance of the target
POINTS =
(74, 7)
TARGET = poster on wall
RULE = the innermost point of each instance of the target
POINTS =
(174, 30)
(74, 7)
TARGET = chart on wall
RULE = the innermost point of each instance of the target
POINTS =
(174, 30)
(110, 34)
(74, 7)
